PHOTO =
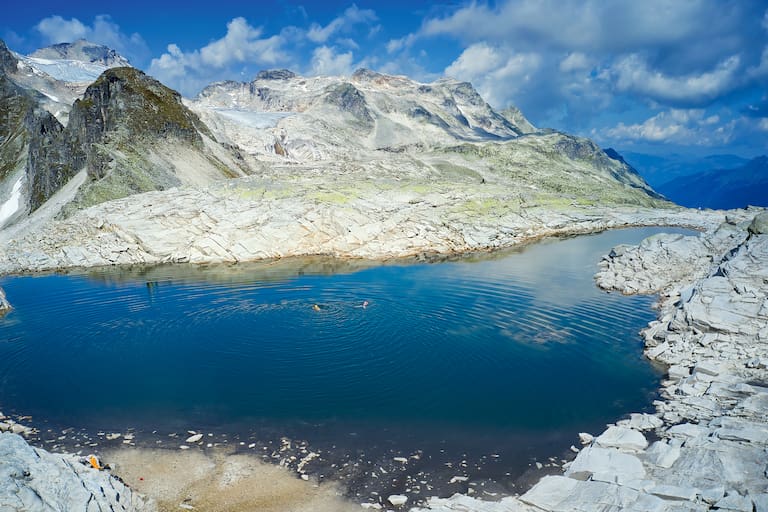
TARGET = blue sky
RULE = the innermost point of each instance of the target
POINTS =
(655, 76)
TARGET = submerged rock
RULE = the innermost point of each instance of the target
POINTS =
(5, 306)
(194, 438)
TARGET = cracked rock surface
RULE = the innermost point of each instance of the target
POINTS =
(34, 480)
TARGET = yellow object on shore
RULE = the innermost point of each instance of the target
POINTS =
(94, 462)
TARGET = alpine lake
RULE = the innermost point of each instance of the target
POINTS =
(401, 377)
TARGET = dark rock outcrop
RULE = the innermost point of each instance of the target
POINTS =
(8, 63)
(30, 137)
(54, 157)
(349, 99)
(275, 74)
(126, 101)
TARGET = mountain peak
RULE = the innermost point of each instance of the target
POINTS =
(83, 51)
(8, 62)
(517, 118)
(128, 98)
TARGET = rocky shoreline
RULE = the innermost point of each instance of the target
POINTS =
(711, 426)
(246, 220)
(32, 479)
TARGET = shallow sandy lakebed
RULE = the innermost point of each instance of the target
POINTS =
(218, 480)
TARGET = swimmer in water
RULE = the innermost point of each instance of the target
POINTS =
(316, 307)
(365, 304)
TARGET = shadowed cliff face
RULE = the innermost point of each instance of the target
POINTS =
(8, 63)
(113, 133)
(29, 139)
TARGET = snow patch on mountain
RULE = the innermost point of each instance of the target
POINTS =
(12, 205)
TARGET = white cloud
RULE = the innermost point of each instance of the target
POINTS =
(496, 73)
(56, 29)
(395, 45)
(633, 74)
(474, 61)
(677, 54)
(351, 16)
(579, 24)
(763, 124)
(575, 61)
(680, 126)
(243, 44)
(761, 69)
(327, 62)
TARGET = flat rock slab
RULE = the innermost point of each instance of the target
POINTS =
(33, 480)
(606, 463)
(625, 439)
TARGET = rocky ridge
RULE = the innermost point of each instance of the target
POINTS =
(127, 132)
(82, 51)
(368, 109)
(711, 426)
(250, 220)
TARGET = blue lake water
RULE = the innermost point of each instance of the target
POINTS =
(510, 353)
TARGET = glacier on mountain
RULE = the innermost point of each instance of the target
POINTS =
(66, 70)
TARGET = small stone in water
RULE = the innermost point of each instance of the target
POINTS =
(397, 499)
(194, 438)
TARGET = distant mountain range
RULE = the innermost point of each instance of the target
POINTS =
(714, 181)
(658, 170)
(735, 187)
